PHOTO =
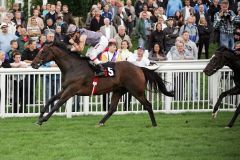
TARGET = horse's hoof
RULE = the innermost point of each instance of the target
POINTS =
(214, 115)
(228, 127)
(38, 123)
(99, 125)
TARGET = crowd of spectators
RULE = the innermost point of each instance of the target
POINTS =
(154, 23)
(164, 29)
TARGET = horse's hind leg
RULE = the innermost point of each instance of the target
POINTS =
(113, 106)
(233, 91)
(236, 113)
(148, 106)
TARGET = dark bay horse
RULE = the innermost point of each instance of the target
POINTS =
(225, 57)
(77, 79)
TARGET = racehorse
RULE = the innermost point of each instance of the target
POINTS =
(225, 57)
(78, 75)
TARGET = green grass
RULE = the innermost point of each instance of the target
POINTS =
(127, 137)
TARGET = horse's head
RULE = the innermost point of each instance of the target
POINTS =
(44, 55)
(221, 57)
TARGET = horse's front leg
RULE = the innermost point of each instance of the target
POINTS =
(65, 95)
(233, 91)
(50, 101)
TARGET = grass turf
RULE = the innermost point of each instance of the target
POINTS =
(189, 136)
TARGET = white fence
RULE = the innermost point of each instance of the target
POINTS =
(25, 91)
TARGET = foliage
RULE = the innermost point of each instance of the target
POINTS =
(190, 136)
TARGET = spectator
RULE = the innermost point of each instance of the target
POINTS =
(30, 52)
(196, 7)
(187, 10)
(125, 53)
(237, 48)
(113, 8)
(191, 28)
(172, 7)
(162, 22)
(58, 11)
(204, 29)
(213, 9)
(145, 9)
(179, 52)
(14, 48)
(39, 20)
(112, 55)
(106, 13)
(62, 24)
(139, 59)
(121, 35)
(201, 14)
(162, 13)
(120, 18)
(67, 16)
(237, 34)
(108, 30)
(22, 40)
(233, 5)
(18, 29)
(4, 63)
(44, 11)
(178, 19)
(131, 16)
(33, 29)
(5, 38)
(58, 34)
(190, 45)
(90, 16)
(224, 22)
(41, 41)
(138, 7)
(19, 100)
(52, 14)
(97, 21)
(157, 36)
(157, 54)
(11, 25)
(170, 35)
(18, 19)
(49, 25)
(143, 30)
(155, 15)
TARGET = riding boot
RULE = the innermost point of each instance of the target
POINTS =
(99, 70)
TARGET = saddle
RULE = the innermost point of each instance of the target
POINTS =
(103, 69)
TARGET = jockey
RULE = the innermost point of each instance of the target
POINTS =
(97, 42)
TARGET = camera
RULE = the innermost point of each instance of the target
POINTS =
(227, 15)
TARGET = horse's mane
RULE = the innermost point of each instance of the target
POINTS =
(64, 48)
(223, 48)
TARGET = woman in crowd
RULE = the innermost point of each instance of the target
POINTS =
(157, 54)
(157, 36)
(125, 53)
(204, 30)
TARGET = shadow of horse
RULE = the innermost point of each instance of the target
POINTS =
(225, 57)
(77, 79)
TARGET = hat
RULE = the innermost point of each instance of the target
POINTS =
(71, 29)
(140, 47)
(170, 18)
(3, 25)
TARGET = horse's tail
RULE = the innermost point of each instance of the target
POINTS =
(156, 83)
